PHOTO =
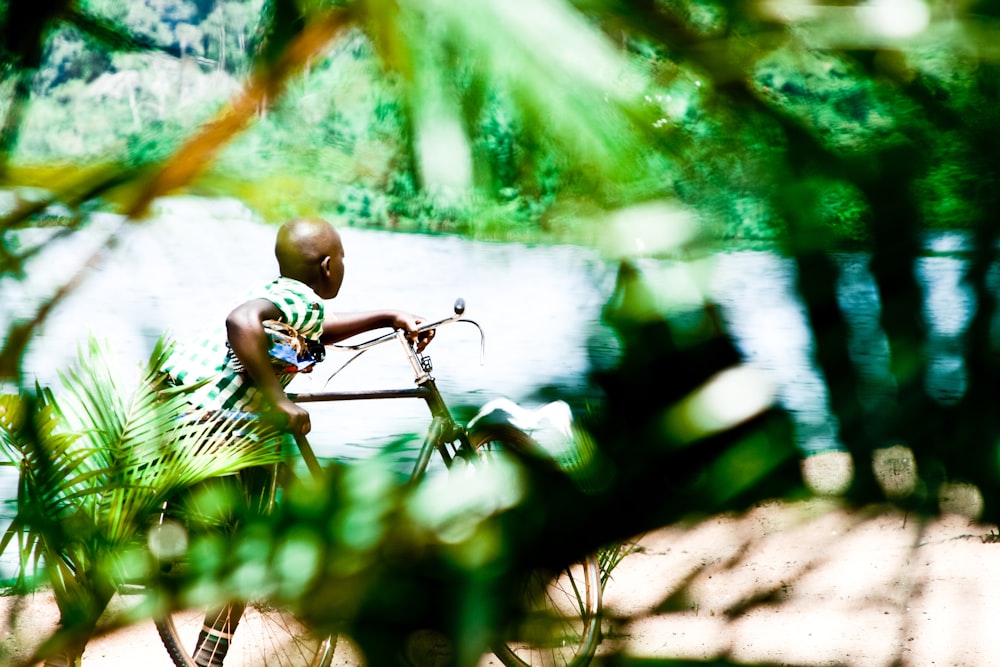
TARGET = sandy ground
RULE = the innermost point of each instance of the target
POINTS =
(805, 583)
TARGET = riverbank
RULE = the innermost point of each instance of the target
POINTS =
(810, 583)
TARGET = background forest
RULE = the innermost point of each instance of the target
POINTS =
(342, 138)
(646, 128)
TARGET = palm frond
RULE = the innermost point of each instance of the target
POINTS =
(96, 465)
(93, 400)
(32, 441)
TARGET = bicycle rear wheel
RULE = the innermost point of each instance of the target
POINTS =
(252, 633)
(560, 624)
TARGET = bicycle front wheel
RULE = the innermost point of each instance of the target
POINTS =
(264, 636)
(560, 621)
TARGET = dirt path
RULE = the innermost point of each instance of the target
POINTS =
(804, 583)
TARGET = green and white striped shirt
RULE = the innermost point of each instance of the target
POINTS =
(209, 356)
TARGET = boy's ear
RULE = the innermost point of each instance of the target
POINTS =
(325, 264)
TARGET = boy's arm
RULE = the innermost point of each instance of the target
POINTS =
(340, 326)
(245, 328)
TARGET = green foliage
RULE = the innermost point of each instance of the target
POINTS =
(846, 111)
(515, 120)
(71, 56)
(948, 193)
(352, 149)
(95, 467)
(370, 555)
(842, 209)
(223, 36)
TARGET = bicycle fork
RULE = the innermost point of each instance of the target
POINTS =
(442, 432)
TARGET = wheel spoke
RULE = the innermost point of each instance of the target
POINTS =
(559, 627)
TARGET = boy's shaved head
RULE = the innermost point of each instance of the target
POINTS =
(310, 250)
(302, 244)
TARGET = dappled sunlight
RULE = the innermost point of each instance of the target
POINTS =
(895, 471)
(953, 612)
(444, 154)
(961, 498)
(167, 540)
(869, 23)
(807, 583)
(722, 588)
(828, 473)
(898, 476)
(895, 19)
(648, 230)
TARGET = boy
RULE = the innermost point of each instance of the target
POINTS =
(311, 264)
(233, 357)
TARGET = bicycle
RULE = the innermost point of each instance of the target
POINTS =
(561, 625)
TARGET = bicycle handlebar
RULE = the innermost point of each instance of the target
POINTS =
(359, 348)
(378, 340)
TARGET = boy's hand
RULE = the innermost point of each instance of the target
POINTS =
(292, 417)
(410, 324)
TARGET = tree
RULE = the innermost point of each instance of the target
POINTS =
(866, 123)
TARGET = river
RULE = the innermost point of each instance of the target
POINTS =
(539, 306)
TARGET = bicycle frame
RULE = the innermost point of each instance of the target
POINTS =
(580, 587)
(443, 429)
